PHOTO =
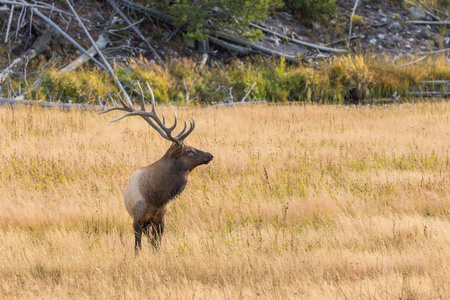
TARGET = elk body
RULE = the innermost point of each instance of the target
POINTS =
(152, 187)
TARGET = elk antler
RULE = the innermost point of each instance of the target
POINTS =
(160, 126)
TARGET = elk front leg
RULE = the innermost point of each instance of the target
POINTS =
(137, 235)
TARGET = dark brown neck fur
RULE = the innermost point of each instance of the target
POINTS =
(165, 179)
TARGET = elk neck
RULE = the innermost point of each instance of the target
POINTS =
(165, 179)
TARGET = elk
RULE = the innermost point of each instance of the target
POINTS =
(152, 187)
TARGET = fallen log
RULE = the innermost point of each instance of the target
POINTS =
(428, 22)
(238, 103)
(14, 102)
(429, 94)
(101, 44)
(435, 82)
(308, 45)
(230, 47)
(257, 48)
(412, 62)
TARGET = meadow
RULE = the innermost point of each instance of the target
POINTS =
(300, 202)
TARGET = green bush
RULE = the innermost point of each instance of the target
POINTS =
(201, 16)
(312, 10)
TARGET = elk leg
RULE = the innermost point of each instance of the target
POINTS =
(146, 231)
(157, 232)
(137, 235)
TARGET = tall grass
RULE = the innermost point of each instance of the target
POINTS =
(345, 79)
(300, 202)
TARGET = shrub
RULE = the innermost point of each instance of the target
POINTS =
(311, 10)
(351, 77)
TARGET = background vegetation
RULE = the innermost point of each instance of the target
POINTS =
(300, 202)
(346, 79)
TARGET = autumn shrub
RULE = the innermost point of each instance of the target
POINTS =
(343, 80)
(389, 78)
(84, 85)
(351, 77)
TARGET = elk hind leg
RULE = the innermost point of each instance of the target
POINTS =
(157, 232)
(137, 235)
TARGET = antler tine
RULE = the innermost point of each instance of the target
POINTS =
(155, 117)
(112, 108)
(182, 131)
(142, 97)
(181, 137)
(152, 96)
(152, 117)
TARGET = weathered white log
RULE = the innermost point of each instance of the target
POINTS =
(428, 22)
(429, 94)
(412, 62)
(435, 82)
(309, 45)
(230, 47)
(256, 48)
(238, 103)
(101, 44)
(434, 52)
(14, 102)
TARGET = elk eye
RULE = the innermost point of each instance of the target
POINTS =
(189, 151)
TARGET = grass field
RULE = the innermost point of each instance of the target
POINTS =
(300, 202)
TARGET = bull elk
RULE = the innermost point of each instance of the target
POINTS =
(152, 187)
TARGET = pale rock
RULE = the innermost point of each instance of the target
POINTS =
(395, 26)
(417, 13)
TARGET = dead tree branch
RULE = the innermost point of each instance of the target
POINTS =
(38, 46)
(138, 32)
(101, 44)
(108, 66)
(257, 48)
(434, 52)
(60, 31)
(412, 62)
(428, 22)
(40, 5)
(9, 22)
(351, 22)
(186, 99)
(151, 13)
(309, 45)
(229, 101)
(15, 102)
(230, 47)
(248, 93)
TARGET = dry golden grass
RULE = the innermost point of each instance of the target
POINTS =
(300, 202)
